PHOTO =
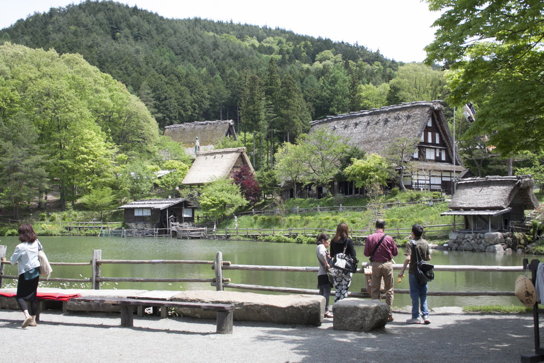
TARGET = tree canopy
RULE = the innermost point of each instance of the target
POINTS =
(494, 56)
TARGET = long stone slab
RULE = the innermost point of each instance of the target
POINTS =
(279, 309)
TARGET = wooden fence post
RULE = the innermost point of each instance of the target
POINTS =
(3, 249)
(218, 271)
(97, 256)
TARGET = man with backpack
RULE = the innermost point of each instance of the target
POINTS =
(417, 250)
(381, 249)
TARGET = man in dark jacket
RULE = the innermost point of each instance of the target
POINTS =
(381, 249)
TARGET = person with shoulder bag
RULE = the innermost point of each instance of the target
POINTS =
(417, 249)
(28, 265)
(381, 248)
(342, 249)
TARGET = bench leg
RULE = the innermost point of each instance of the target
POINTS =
(164, 312)
(127, 318)
(224, 322)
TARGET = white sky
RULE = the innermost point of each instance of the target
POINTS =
(399, 29)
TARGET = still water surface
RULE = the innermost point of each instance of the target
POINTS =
(80, 249)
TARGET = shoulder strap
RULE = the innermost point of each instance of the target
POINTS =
(415, 252)
(377, 245)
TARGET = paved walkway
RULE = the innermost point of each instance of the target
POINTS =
(452, 337)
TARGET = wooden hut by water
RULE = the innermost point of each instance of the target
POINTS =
(209, 133)
(158, 213)
(216, 164)
(493, 203)
(434, 164)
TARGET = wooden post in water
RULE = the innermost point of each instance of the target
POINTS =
(95, 265)
(218, 271)
(3, 249)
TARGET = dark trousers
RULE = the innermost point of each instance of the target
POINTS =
(27, 294)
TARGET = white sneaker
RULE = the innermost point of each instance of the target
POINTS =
(414, 321)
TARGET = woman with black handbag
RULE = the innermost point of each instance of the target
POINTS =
(342, 244)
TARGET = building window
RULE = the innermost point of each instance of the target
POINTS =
(430, 123)
(443, 153)
(423, 137)
(429, 154)
(416, 154)
(187, 213)
(430, 137)
(142, 212)
(437, 138)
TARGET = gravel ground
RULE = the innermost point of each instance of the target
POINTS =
(451, 337)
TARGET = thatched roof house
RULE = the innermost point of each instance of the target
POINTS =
(209, 133)
(493, 202)
(216, 164)
(158, 213)
(434, 162)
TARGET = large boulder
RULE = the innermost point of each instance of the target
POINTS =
(279, 309)
(359, 314)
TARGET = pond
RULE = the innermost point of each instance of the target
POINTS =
(80, 249)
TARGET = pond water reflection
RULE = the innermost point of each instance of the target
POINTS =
(80, 249)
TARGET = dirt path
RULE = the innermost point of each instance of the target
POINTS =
(451, 337)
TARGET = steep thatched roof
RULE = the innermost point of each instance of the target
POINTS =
(494, 193)
(212, 165)
(208, 132)
(153, 203)
(373, 131)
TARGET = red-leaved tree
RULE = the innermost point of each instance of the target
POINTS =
(244, 178)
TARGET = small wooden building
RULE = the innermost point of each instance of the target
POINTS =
(209, 133)
(216, 164)
(433, 163)
(493, 203)
(158, 213)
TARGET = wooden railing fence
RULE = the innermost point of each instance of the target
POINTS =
(220, 282)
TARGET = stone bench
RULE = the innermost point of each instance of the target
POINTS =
(224, 312)
(359, 314)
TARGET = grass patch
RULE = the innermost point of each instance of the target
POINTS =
(497, 309)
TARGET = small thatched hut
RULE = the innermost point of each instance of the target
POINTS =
(433, 163)
(493, 203)
(158, 213)
(208, 133)
(216, 164)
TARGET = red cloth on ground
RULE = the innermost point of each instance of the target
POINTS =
(46, 295)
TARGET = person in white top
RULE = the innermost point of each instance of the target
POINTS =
(26, 258)
(323, 283)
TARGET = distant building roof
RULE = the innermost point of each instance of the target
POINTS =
(374, 130)
(494, 193)
(216, 164)
(153, 203)
(209, 133)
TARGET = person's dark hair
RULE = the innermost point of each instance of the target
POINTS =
(342, 232)
(380, 224)
(26, 233)
(322, 237)
(417, 230)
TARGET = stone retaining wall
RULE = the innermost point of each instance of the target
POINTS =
(495, 242)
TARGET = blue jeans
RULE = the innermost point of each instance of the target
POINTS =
(418, 293)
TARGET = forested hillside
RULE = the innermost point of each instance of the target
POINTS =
(66, 126)
(194, 69)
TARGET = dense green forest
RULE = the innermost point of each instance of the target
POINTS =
(194, 69)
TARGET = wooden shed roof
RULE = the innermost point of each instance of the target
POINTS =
(494, 193)
(374, 130)
(208, 132)
(215, 164)
(153, 203)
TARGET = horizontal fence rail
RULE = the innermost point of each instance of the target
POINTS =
(220, 267)
(341, 208)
